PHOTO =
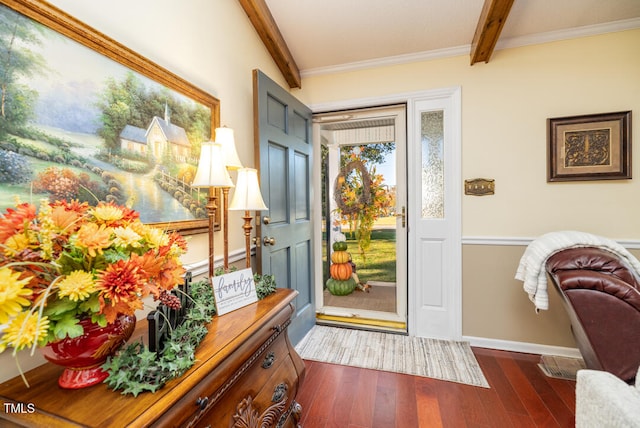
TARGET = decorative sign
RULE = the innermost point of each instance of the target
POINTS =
(234, 290)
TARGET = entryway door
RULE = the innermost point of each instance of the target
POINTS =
(283, 150)
(364, 202)
(290, 181)
(433, 207)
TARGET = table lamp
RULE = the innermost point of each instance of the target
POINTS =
(247, 197)
(213, 174)
(224, 137)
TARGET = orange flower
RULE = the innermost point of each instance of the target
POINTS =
(15, 220)
(64, 219)
(170, 275)
(95, 238)
(120, 287)
(149, 264)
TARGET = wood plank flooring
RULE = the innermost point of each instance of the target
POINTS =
(520, 396)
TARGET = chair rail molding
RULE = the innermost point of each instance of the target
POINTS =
(631, 244)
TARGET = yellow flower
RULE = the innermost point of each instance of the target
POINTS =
(155, 237)
(15, 244)
(24, 330)
(78, 285)
(12, 293)
(126, 237)
(107, 213)
(95, 238)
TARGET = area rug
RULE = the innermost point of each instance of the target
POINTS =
(438, 359)
(561, 367)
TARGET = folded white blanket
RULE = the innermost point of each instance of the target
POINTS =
(532, 271)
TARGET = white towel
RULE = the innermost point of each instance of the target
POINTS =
(532, 271)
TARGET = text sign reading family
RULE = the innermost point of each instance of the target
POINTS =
(234, 290)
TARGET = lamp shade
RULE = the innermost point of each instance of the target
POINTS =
(211, 170)
(224, 137)
(246, 195)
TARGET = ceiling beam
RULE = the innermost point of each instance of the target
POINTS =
(262, 20)
(492, 18)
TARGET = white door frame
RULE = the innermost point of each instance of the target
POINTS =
(392, 320)
(454, 144)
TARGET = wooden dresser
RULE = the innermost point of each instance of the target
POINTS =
(247, 374)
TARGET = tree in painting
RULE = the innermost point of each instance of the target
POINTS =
(97, 132)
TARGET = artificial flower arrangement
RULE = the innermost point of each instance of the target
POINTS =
(67, 260)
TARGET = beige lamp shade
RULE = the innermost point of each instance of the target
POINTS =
(224, 137)
(246, 195)
(211, 169)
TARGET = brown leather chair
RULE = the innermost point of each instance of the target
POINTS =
(601, 293)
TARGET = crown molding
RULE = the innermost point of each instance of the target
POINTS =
(513, 42)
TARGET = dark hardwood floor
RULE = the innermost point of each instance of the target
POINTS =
(520, 396)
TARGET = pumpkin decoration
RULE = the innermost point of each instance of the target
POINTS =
(341, 271)
(341, 282)
(341, 288)
(340, 246)
(340, 257)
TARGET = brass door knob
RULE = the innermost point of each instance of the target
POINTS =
(269, 241)
(266, 219)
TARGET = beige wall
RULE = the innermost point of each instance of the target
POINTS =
(505, 104)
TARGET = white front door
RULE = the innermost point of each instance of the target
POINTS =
(435, 189)
(433, 214)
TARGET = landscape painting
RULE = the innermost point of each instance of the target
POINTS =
(79, 122)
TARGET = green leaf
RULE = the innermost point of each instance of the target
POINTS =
(69, 262)
(68, 326)
(60, 307)
(92, 304)
(99, 319)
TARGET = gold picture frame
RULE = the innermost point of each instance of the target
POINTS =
(589, 147)
(203, 109)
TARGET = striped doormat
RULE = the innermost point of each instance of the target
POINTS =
(438, 359)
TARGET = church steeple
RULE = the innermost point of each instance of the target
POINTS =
(166, 112)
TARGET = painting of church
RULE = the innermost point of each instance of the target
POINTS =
(161, 135)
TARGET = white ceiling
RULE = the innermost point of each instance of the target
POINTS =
(330, 35)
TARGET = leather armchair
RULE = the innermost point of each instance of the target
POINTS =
(601, 293)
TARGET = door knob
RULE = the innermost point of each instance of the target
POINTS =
(266, 219)
(269, 241)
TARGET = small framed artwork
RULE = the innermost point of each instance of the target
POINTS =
(589, 147)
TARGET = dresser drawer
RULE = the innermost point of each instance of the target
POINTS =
(254, 400)
(209, 392)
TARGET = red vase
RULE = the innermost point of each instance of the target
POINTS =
(84, 355)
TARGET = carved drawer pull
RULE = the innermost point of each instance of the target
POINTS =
(279, 393)
(269, 360)
(202, 402)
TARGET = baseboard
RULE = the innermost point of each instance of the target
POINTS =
(202, 267)
(528, 348)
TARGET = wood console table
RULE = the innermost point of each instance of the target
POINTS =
(246, 374)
